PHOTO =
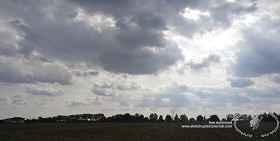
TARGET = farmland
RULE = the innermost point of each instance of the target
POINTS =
(118, 132)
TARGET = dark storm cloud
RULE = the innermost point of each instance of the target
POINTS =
(241, 83)
(133, 44)
(136, 45)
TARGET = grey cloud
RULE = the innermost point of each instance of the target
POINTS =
(19, 100)
(223, 12)
(114, 48)
(62, 77)
(103, 85)
(141, 61)
(114, 86)
(8, 41)
(164, 100)
(149, 20)
(170, 96)
(241, 83)
(86, 73)
(221, 15)
(11, 74)
(117, 8)
(78, 103)
(40, 102)
(103, 92)
(221, 96)
(21, 70)
(258, 54)
(135, 45)
(269, 92)
(44, 91)
(205, 62)
(277, 79)
(4, 100)
(131, 86)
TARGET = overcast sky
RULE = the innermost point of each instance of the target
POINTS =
(118, 56)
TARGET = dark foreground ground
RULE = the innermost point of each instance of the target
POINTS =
(118, 132)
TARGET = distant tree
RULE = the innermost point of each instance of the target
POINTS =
(153, 117)
(214, 118)
(243, 117)
(136, 117)
(160, 119)
(176, 118)
(141, 118)
(146, 119)
(229, 117)
(183, 118)
(199, 118)
(103, 118)
(191, 120)
(168, 118)
(40, 118)
(267, 117)
(110, 119)
(223, 119)
(126, 117)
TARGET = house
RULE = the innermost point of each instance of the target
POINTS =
(14, 120)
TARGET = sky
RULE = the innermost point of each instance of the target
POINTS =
(62, 57)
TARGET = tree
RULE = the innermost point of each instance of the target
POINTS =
(214, 118)
(243, 117)
(126, 117)
(176, 118)
(230, 117)
(103, 118)
(141, 118)
(183, 118)
(153, 117)
(160, 119)
(199, 118)
(168, 118)
(137, 117)
(192, 120)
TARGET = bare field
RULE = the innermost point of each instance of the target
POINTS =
(118, 132)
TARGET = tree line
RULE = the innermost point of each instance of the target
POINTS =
(153, 117)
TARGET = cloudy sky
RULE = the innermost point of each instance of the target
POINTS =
(117, 56)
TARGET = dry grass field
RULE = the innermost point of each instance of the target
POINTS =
(118, 132)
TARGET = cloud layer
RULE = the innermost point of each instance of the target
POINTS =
(127, 55)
